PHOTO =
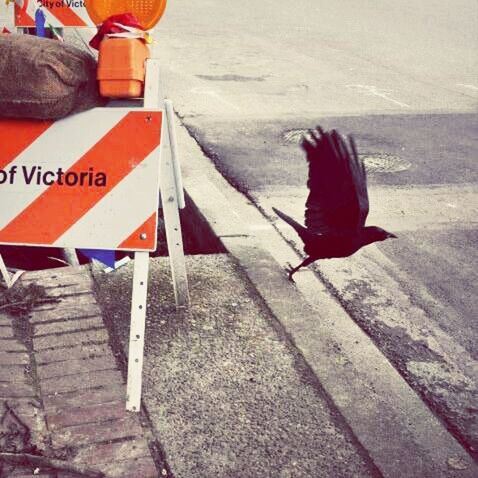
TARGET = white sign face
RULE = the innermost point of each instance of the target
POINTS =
(57, 13)
(89, 181)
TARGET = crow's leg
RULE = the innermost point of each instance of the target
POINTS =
(292, 270)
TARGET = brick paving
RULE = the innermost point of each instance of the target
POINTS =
(17, 389)
(64, 382)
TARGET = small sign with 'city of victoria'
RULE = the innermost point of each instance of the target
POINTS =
(88, 181)
(58, 13)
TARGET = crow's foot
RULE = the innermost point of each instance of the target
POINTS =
(290, 270)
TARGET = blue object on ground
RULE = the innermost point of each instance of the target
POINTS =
(106, 257)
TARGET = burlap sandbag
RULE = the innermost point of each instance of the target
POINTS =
(45, 79)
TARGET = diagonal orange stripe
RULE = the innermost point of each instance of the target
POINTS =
(22, 19)
(60, 206)
(66, 15)
(17, 135)
(134, 241)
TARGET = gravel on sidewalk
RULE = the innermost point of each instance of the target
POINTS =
(227, 393)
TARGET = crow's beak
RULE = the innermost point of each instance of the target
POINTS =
(391, 236)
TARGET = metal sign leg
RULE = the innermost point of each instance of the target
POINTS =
(169, 111)
(170, 199)
(137, 330)
(170, 184)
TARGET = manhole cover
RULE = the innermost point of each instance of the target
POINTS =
(384, 163)
(374, 162)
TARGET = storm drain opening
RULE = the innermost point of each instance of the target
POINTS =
(374, 162)
(384, 163)
(198, 238)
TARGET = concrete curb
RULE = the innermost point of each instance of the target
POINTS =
(398, 430)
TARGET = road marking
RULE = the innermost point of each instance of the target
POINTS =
(471, 87)
(214, 94)
(260, 227)
(381, 93)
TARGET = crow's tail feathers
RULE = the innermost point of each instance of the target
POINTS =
(298, 227)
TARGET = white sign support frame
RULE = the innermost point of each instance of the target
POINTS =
(172, 199)
(137, 331)
(170, 184)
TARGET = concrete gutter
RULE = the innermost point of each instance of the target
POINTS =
(401, 434)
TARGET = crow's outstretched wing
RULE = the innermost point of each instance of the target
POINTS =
(338, 199)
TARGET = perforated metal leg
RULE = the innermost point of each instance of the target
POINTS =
(137, 331)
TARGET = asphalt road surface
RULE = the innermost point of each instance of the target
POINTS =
(248, 77)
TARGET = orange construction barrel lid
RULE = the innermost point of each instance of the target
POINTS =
(148, 12)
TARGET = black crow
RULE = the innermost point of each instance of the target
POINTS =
(337, 205)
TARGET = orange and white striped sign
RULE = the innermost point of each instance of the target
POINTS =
(58, 13)
(87, 181)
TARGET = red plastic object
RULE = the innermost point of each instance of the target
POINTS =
(109, 26)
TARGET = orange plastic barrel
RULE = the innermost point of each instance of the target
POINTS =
(148, 12)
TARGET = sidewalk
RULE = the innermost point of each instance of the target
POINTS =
(225, 395)
(226, 392)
